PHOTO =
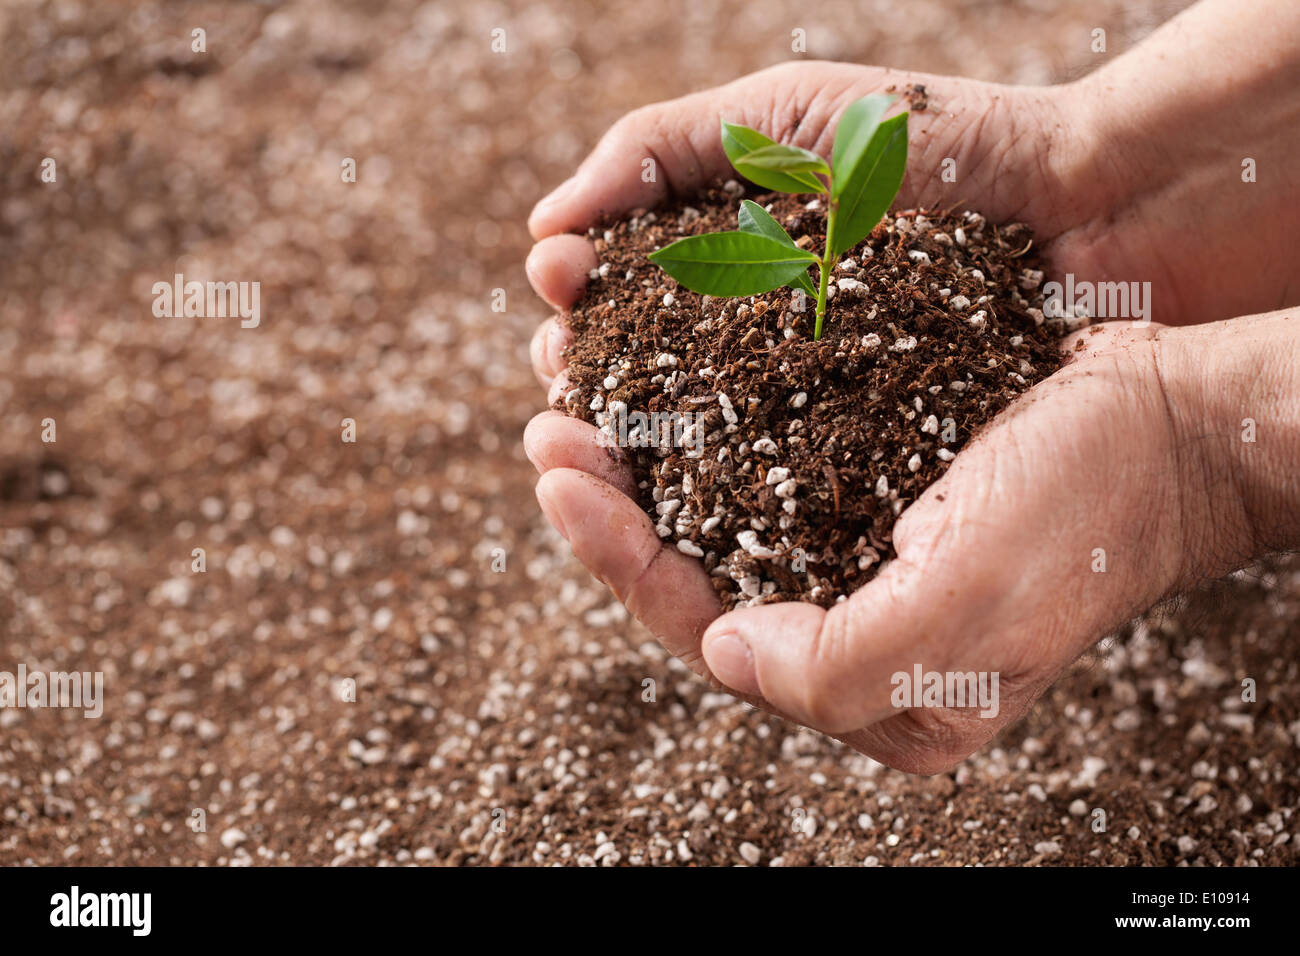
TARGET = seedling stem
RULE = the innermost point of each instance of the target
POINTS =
(825, 269)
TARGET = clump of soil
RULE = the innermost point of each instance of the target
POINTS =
(783, 462)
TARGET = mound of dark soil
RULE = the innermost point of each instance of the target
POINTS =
(783, 462)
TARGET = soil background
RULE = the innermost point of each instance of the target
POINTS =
(498, 716)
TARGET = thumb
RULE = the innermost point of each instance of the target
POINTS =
(832, 669)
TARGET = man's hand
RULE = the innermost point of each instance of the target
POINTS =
(1115, 482)
(1130, 459)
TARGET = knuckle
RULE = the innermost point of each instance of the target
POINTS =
(823, 711)
(648, 123)
(631, 129)
(830, 705)
(633, 585)
(783, 71)
(928, 763)
(931, 742)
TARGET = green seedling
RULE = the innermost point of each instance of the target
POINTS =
(866, 169)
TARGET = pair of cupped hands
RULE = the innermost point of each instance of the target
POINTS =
(996, 567)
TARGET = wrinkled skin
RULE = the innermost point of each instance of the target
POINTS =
(1134, 448)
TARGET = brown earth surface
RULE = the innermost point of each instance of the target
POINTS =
(516, 696)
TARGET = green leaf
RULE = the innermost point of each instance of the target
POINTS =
(870, 188)
(732, 263)
(755, 220)
(856, 127)
(785, 159)
(739, 141)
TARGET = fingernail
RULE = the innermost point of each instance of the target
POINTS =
(732, 662)
(552, 514)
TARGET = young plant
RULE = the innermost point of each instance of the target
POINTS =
(867, 164)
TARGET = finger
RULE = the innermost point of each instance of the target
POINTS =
(665, 590)
(547, 349)
(558, 268)
(554, 440)
(670, 136)
(793, 102)
(559, 387)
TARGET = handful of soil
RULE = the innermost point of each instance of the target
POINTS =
(783, 462)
